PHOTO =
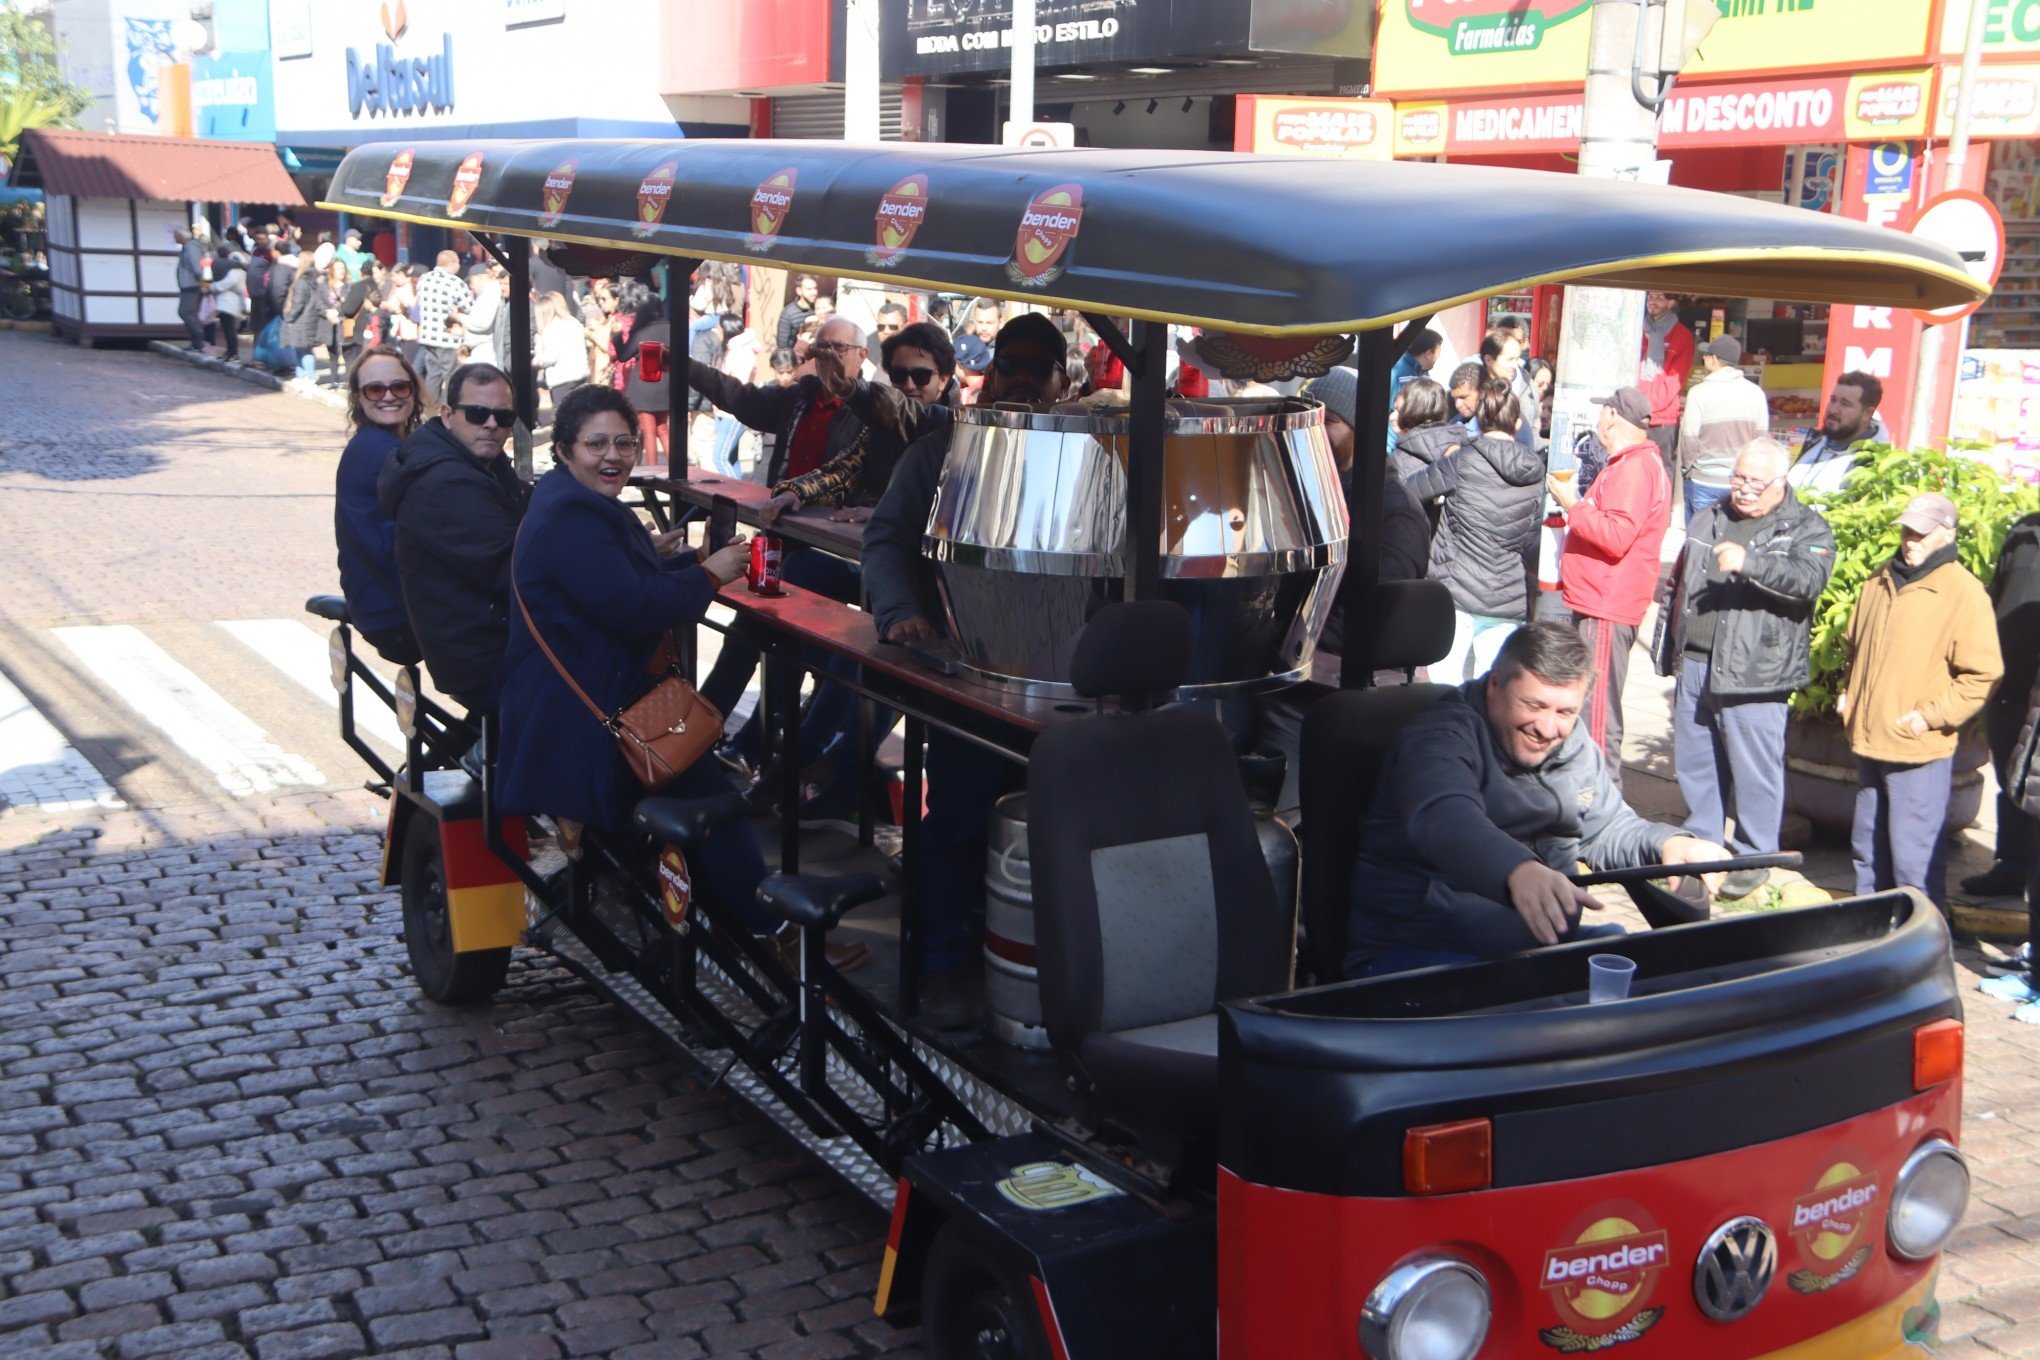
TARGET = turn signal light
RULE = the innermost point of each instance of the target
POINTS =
(1937, 1053)
(1445, 1159)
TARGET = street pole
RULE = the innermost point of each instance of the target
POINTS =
(1927, 380)
(1601, 333)
(860, 71)
(1022, 90)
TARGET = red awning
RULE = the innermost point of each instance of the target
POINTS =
(188, 169)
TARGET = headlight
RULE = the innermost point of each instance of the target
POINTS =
(1927, 1200)
(1429, 1309)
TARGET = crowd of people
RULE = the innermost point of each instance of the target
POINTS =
(529, 603)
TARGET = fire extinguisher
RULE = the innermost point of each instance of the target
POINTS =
(1550, 548)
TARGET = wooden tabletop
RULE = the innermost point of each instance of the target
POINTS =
(813, 527)
(852, 633)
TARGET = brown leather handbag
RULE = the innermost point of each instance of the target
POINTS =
(660, 735)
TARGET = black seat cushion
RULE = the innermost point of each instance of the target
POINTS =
(687, 822)
(1408, 623)
(1161, 1081)
(332, 607)
(1133, 648)
(1346, 737)
(815, 900)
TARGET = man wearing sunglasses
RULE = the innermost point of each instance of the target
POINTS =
(456, 502)
(1735, 633)
(963, 780)
(809, 423)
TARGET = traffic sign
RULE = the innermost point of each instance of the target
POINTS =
(1967, 223)
(1041, 136)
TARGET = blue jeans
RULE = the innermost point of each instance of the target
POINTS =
(1730, 758)
(1700, 496)
(964, 781)
(722, 454)
(1407, 958)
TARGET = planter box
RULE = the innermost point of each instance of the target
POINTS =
(1820, 775)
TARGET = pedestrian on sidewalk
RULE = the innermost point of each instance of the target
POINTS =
(2015, 599)
(1608, 572)
(1922, 656)
(1667, 363)
(443, 302)
(2021, 983)
(1735, 633)
(1724, 412)
(190, 287)
(230, 295)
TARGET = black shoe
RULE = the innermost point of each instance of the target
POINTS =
(820, 811)
(2000, 880)
(944, 1003)
(1742, 883)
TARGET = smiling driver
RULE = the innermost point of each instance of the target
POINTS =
(1485, 803)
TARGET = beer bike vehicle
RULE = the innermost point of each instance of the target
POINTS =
(1754, 1154)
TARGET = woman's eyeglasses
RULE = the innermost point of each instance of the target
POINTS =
(918, 377)
(624, 444)
(399, 390)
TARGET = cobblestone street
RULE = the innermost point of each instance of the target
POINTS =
(228, 1125)
(230, 1128)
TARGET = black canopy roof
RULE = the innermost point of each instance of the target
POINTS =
(1265, 245)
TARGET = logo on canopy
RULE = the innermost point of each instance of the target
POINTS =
(900, 214)
(770, 203)
(397, 176)
(1048, 227)
(654, 192)
(553, 197)
(1601, 1281)
(1268, 359)
(466, 179)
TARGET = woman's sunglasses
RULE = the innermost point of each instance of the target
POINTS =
(385, 391)
(918, 377)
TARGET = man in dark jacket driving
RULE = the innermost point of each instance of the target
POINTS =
(1485, 803)
(1736, 636)
(456, 502)
(963, 779)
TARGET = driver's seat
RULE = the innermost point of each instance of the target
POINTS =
(1152, 900)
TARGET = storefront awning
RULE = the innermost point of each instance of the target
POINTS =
(188, 169)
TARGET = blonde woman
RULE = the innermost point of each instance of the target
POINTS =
(559, 347)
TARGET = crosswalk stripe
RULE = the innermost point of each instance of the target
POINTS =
(186, 710)
(38, 768)
(300, 653)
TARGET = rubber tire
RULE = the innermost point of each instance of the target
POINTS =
(446, 977)
(976, 1307)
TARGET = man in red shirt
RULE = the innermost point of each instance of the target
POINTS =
(1609, 570)
(1667, 363)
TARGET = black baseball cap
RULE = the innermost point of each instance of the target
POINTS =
(1630, 404)
(1038, 328)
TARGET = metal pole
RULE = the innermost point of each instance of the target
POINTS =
(1601, 334)
(679, 349)
(1927, 379)
(860, 71)
(1366, 490)
(523, 381)
(1022, 90)
(1144, 473)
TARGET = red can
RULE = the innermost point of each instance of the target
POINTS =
(651, 361)
(764, 572)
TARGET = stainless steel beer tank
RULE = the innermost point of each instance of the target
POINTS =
(1028, 536)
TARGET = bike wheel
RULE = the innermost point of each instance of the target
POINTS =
(443, 976)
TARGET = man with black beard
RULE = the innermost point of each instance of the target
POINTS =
(1851, 422)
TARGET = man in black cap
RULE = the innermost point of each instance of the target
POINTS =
(1609, 570)
(964, 780)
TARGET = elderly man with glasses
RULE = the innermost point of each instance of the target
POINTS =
(1735, 632)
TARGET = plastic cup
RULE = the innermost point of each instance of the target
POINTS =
(1608, 977)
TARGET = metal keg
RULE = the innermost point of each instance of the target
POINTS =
(1012, 984)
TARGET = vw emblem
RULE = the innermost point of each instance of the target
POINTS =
(1735, 1269)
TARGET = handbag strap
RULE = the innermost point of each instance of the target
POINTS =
(539, 638)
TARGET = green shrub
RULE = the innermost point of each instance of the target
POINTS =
(1864, 517)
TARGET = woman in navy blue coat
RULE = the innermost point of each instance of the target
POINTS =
(382, 410)
(604, 598)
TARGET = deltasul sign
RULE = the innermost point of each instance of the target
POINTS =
(1472, 27)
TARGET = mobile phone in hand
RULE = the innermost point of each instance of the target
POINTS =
(722, 523)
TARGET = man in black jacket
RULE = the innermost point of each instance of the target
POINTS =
(1736, 633)
(810, 425)
(798, 309)
(456, 502)
(963, 780)
(2015, 598)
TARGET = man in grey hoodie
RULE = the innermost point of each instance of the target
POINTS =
(1485, 804)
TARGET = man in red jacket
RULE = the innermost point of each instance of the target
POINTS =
(1667, 363)
(1609, 570)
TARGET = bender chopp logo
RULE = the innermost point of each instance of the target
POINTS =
(1472, 27)
(654, 193)
(900, 214)
(676, 887)
(1828, 1223)
(1048, 227)
(771, 201)
(397, 176)
(466, 179)
(1600, 1283)
(553, 196)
